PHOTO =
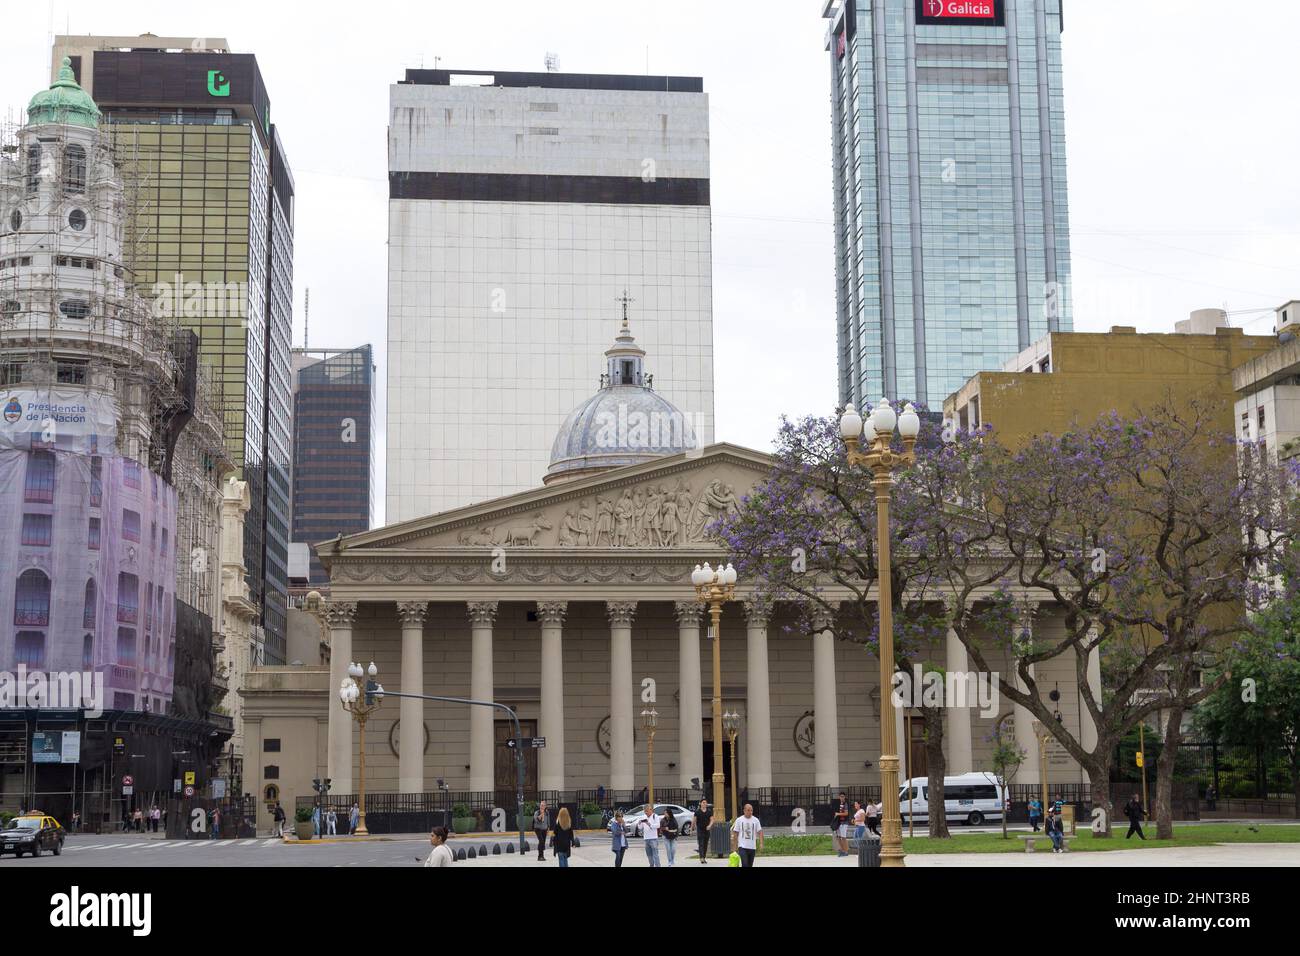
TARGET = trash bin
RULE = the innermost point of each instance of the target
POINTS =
(868, 852)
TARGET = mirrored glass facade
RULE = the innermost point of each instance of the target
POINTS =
(951, 218)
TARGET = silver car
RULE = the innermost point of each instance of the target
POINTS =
(634, 818)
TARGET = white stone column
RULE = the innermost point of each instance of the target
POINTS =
(826, 771)
(339, 615)
(758, 699)
(1026, 739)
(1087, 727)
(482, 762)
(958, 736)
(410, 736)
(690, 694)
(622, 746)
(551, 757)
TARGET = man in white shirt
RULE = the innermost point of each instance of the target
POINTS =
(650, 833)
(747, 836)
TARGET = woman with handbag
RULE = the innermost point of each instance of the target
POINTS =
(668, 831)
(562, 837)
(618, 829)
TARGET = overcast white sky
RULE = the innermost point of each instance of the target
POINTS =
(1181, 126)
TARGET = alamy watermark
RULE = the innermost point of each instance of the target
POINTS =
(55, 690)
(957, 689)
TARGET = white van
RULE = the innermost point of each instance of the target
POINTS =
(971, 798)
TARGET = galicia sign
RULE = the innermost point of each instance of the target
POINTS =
(969, 12)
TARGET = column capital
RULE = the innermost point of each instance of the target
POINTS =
(758, 613)
(482, 612)
(620, 612)
(821, 617)
(340, 613)
(412, 613)
(552, 612)
(689, 613)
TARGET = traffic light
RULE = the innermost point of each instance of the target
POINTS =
(328, 781)
(315, 784)
(371, 687)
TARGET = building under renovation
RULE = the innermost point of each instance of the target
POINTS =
(112, 463)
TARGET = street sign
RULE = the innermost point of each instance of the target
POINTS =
(127, 780)
(176, 785)
(539, 742)
(534, 742)
(189, 776)
(127, 791)
(189, 791)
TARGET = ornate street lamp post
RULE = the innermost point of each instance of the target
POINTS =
(731, 723)
(716, 588)
(877, 434)
(650, 723)
(361, 704)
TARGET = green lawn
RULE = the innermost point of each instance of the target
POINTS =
(1198, 835)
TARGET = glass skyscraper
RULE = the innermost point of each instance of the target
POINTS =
(951, 217)
(333, 446)
(211, 238)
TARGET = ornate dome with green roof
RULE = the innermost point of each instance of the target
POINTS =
(64, 102)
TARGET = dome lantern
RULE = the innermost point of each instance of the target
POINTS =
(65, 103)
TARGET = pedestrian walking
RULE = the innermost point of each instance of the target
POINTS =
(618, 843)
(840, 825)
(354, 818)
(650, 834)
(541, 826)
(859, 821)
(747, 836)
(562, 837)
(277, 821)
(668, 830)
(873, 817)
(1133, 810)
(137, 819)
(155, 817)
(1035, 813)
(76, 821)
(216, 823)
(1056, 830)
(315, 821)
(441, 854)
(1211, 797)
(703, 822)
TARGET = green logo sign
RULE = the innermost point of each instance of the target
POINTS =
(218, 85)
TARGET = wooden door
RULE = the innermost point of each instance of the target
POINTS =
(506, 774)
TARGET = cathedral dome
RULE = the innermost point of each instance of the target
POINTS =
(64, 102)
(625, 423)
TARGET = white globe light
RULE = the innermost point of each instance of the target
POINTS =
(731, 574)
(869, 430)
(884, 417)
(697, 576)
(354, 670)
(372, 670)
(850, 422)
(909, 423)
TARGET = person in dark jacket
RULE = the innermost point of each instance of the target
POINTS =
(668, 833)
(1133, 810)
(840, 825)
(541, 826)
(562, 837)
(618, 831)
(1055, 827)
(703, 821)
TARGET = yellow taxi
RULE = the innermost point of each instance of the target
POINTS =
(33, 833)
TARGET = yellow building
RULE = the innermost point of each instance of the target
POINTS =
(1072, 378)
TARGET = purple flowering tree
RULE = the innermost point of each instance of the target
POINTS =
(1155, 536)
(806, 535)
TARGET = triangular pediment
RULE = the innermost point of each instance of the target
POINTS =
(656, 505)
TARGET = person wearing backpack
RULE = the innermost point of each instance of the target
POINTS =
(668, 831)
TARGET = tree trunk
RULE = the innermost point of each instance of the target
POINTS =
(936, 765)
(1295, 784)
(1099, 785)
(1164, 804)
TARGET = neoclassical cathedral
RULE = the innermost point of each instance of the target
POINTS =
(573, 604)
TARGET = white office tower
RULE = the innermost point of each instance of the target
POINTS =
(522, 208)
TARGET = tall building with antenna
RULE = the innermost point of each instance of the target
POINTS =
(213, 235)
(522, 206)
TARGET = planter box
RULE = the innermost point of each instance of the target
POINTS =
(462, 824)
(594, 821)
(303, 830)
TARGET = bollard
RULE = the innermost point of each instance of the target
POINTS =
(460, 854)
(496, 849)
(510, 848)
(470, 854)
(482, 850)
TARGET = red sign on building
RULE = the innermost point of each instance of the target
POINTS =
(982, 12)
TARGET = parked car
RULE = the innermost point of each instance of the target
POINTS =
(32, 833)
(634, 817)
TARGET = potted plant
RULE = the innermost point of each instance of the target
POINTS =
(526, 818)
(302, 823)
(592, 816)
(462, 818)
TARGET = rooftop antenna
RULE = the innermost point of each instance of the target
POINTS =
(306, 317)
(552, 62)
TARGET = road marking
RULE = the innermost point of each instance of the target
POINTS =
(272, 842)
(249, 843)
